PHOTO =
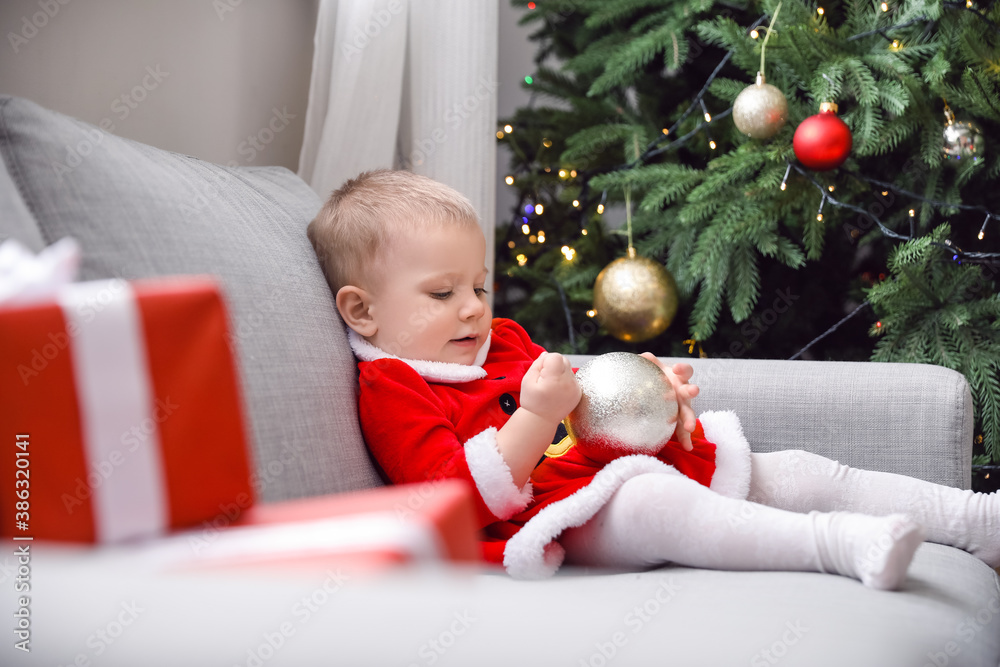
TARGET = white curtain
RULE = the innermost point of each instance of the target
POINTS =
(408, 84)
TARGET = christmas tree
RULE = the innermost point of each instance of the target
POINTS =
(866, 233)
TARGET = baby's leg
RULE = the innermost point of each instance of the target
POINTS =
(653, 519)
(801, 481)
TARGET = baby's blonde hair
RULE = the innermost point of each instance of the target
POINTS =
(360, 219)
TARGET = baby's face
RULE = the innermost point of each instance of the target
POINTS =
(430, 304)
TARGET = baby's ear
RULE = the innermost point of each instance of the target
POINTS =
(353, 304)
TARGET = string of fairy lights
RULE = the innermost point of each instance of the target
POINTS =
(668, 141)
(657, 147)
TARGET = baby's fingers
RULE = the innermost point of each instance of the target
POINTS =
(554, 365)
(535, 369)
(686, 418)
(684, 437)
(683, 371)
(688, 391)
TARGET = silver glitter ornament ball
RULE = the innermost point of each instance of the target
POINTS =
(760, 110)
(963, 140)
(628, 405)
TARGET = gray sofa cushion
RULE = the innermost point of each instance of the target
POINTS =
(15, 218)
(138, 211)
(867, 415)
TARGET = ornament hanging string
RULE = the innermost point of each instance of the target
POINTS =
(628, 199)
(628, 219)
(767, 36)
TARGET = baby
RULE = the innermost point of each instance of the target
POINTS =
(448, 392)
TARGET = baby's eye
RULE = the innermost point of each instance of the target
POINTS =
(480, 291)
(441, 295)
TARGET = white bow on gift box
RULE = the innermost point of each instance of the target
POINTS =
(26, 277)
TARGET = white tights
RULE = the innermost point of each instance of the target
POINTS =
(805, 513)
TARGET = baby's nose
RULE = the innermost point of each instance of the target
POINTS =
(473, 307)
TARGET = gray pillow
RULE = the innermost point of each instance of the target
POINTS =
(138, 211)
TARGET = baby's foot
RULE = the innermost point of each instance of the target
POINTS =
(884, 561)
(876, 550)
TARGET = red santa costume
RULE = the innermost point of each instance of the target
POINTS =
(429, 420)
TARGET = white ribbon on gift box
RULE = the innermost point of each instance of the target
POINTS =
(113, 384)
(113, 390)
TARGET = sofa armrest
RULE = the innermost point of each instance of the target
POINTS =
(911, 419)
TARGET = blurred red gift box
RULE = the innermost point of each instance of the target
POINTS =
(121, 403)
(361, 530)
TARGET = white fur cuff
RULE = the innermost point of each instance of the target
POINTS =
(533, 552)
(492, 476)
(732, 453)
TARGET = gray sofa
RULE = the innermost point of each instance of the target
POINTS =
(139, 211)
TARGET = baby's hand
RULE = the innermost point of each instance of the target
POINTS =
(549, 389)
(679, 376)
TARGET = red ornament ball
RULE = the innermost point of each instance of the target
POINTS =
(822, 142)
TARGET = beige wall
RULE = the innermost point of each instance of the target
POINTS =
(223, 80)
(200, 77)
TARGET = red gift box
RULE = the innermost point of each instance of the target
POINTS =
(121, 411)
(363, 530)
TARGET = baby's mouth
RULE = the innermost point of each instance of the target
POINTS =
(468, 340)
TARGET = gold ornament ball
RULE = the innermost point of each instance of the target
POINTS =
(760, 110)
(635, 298)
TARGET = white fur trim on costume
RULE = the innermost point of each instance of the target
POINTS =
(492, 476)
(732, 454)
(533, 552)
(434, 371)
